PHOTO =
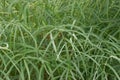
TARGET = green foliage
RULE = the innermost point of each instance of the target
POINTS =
(59, 40)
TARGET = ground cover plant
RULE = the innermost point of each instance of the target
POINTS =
(59, 39)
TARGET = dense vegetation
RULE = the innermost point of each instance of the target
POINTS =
(59, 39)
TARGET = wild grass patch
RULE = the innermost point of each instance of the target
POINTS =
(59, 40)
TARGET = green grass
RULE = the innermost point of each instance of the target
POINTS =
(59, 40)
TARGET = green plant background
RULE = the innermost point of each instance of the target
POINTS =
(60, 39)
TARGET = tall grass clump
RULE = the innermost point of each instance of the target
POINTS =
(59, 40)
